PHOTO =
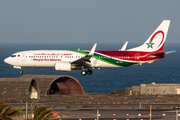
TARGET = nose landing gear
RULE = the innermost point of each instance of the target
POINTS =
(21, 71)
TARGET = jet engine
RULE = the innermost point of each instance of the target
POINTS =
(66, 66)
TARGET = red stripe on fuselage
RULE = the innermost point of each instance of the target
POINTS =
(130, 55)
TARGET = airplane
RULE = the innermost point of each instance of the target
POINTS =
(67, 60)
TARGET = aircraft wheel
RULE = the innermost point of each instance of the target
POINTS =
(83, 72)
(20, 71)
(89, 72)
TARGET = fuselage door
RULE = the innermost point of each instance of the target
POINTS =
(137, 55)
(23, 57)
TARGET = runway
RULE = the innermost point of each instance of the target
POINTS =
(108, 111)
(114, 114)
(118, 114)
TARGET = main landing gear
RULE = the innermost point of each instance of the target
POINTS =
(89, 72)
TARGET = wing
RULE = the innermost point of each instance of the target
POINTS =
(85, 61)
(124, 46)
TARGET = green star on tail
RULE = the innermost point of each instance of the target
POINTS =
(150, 44)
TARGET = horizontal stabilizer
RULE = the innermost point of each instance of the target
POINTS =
(168, 52)
(158, 54)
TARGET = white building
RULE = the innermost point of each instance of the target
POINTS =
(154, 89)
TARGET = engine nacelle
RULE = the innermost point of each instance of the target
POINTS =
(66, 66)
(63, 66)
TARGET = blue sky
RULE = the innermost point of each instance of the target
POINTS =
(86, 21)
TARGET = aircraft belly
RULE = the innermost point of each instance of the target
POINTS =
(40, 64)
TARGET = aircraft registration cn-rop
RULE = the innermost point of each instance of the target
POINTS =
(67, 60)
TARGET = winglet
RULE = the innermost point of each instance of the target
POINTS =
(92, 49)
(124, 46)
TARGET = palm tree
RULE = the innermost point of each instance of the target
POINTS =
(42, 112)
(6, 111)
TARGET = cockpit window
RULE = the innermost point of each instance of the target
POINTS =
(13, 56)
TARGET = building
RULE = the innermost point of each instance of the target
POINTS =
(35, 86)
(154, 89)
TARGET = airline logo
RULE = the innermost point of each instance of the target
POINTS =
(150, 44)
(158, 38)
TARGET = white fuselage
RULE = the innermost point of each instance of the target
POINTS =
(48, 58)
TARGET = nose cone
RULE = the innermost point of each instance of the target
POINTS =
(7, 60)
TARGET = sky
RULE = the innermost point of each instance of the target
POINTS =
(86, 21)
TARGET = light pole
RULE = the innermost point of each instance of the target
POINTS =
(150, 112)
(176, 108)
(97, 114)
(176, 114)
(31, 110)
(26, 108)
